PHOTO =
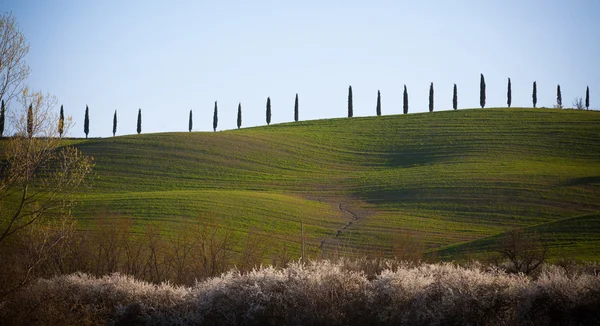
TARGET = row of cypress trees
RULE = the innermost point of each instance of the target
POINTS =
(482, 97)
(239, 114)
(86, 121)
(482, 102)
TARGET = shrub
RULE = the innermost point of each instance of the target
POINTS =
(319, 293)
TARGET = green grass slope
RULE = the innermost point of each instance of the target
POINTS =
(448, 179)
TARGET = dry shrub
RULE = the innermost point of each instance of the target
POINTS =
(560, 297)
(319, 293)
(81, 299)
(374, 291)
(42, 250)
(408, 246)
(445, 294)
(282, 256)
(109, 245)
(253, 250)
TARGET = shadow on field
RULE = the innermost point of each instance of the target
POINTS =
(583, 181)
(409, 156)
(393, 196)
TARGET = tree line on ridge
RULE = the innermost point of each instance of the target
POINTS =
(578, 104)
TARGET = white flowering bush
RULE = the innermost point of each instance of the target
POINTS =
(318, 293)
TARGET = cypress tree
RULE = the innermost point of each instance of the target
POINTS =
(61, 122)
(405, 101)
(509, 94)
(534, 94)
(86, 122)
(239, 117)
(2, 118)
(215, 118)
(454, 98)
(587, 98)
(115, 123)
(268, 110)
(378, 103)
(30, 121)
(296, 108)
(350, 108)
(482, 92)
(558, 97)
(431, 98)
(139, 122)
(190, 123)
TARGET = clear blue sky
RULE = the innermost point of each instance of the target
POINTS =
(167, 57)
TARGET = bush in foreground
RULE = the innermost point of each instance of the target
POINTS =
(319, 293)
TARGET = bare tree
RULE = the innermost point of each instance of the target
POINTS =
(181, 250)
(109, 242)
(13, 48)
(525, 252)
(578, 103)
(37, 174)
(38, 251)
(252, 251)
(214, 250)
(155, 263)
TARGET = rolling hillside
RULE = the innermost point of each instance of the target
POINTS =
(453, 181)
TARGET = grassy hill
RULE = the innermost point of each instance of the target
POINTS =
(454, 181)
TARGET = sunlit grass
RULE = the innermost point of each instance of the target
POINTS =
(450, 177)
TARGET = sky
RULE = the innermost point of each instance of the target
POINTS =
(169, 57)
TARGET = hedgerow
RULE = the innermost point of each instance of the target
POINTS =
(319, 293)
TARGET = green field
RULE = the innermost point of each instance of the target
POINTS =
(454, 180)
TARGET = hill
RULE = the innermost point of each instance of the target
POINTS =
(450, 182)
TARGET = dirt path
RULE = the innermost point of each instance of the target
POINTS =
(332, 245)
